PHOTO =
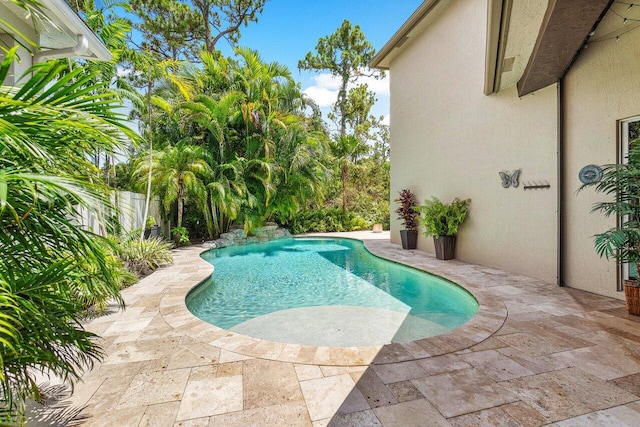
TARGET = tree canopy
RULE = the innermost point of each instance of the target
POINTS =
(179, 30)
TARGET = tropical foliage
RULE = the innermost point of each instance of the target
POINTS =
(49, 129)
(224, 140)
(142, 257)
(323, 220)
(621, 182)
(248, 149)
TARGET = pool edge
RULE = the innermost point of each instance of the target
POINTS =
(489, 318)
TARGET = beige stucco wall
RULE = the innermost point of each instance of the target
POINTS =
(600, 89)
(450, 140)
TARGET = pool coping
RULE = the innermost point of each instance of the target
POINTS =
(487, 321)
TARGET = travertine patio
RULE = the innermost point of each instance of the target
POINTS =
(535, 354)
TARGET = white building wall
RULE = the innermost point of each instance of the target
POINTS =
(600, 90)
(450, 140)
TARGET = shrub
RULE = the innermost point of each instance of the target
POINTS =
(378, 213)
(325, 220)
(144, 257)
(359, 223)
(182, 235)
(89, 285)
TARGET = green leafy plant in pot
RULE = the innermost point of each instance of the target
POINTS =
(408, 214)
(442, 220)
(622, 242)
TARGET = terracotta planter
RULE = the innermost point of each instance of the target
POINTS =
(445, 247)
(632, 296)
(409, 239)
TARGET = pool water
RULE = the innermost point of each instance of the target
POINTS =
(303, 289)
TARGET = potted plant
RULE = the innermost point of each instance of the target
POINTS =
(409, 217)
(151, 228)
(441, 221)
(623, 241)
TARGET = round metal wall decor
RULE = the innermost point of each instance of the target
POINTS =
(590, 174)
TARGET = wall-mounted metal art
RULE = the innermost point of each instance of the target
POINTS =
(590, 174)
(510, 180)
(535, 185)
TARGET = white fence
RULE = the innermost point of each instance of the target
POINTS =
(131, 206)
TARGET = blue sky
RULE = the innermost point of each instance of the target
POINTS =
(288, 29)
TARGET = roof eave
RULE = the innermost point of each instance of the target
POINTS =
(96, 49)
(382, 59)
(567, 24)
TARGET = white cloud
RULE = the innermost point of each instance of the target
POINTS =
(325, 90)
(380, 87)
(387, 119)
(322, 96)
(123, 72)
(328, 81)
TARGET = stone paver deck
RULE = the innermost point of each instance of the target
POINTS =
(535, 354)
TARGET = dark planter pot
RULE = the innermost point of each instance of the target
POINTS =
(152, 232)
(409, 239)
(155, 231)
(445, 247)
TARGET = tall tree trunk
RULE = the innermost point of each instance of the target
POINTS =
(150, 139)
(207, 28)
(180, 202)
(342, 97)
(342, 100)
(345, 175)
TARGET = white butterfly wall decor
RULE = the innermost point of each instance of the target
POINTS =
(510, 180)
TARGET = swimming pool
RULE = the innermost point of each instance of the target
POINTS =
(325, 292)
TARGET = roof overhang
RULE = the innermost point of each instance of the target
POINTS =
(426, 13)
(564, 30)
(62, 34)
(531, 44)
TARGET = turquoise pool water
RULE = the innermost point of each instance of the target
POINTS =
(262, 279)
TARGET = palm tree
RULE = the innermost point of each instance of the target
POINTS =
(346, 149)
(179, 172)
(264, 151)
(150, 72)
(215, 116)
(48, 129)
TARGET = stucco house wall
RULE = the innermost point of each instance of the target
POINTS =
(600, 89)
(450, 140)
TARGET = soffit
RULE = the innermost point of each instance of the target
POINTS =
(564, 29)
(60, 29)
(621, 19)
(524, 22)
